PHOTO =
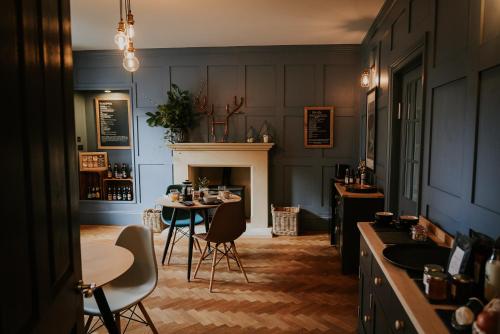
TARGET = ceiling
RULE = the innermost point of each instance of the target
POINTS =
(211, 23)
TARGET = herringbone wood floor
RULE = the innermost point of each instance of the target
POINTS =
(295, 287)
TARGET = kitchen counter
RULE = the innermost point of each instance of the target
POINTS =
(344, 193)
(420, 312)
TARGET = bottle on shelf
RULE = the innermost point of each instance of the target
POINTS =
(97, 193)
(129, 194)
(492, 274)
(114, 194)
(89, 193)
(124, 171)
(346, 178)
(110, 194)
(351, 177)
(116, 172)
(110, 171)
(119, 194)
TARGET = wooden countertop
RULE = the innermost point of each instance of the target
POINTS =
(344, 193)
(421, 313)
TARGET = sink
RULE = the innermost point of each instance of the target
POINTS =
(358, 188)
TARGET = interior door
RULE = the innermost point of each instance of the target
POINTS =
(410, 142)
(40, 233)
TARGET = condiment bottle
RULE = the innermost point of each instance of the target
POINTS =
(461, 288)
(437, 286)
(492, 274)
(430, 268)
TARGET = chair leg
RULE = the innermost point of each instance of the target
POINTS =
(118, 322)
(172, 247)
(197, 243)
(238, 260)
(226, 251)
(214, 260)
(88, 323)
(148, 319)
(202, 257)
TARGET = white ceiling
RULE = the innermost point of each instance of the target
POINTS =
(199, 23)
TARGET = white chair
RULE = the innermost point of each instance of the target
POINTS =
(126, 292)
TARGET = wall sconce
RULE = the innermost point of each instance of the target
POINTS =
(365, 79)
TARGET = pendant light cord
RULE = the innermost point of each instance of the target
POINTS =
(121, 10)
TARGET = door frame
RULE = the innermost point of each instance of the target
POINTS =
(414, 57)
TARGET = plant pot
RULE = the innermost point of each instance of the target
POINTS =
(176, 135)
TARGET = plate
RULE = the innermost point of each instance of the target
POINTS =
(415, 257)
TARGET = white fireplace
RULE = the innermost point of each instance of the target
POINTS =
(254, 156)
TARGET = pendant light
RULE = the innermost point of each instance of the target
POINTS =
(124, 35)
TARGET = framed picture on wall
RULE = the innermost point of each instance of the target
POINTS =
(113, 119)
(318, 127)
(371, 128)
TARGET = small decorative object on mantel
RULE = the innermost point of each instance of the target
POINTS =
(318, 127)
(250, 135)
(176, 116)
(265, 133)
(202, 106)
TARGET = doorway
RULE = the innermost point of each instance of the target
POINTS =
(406, 139)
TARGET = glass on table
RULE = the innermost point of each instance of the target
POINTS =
(196, 195)
(174, 195)
(220, 191)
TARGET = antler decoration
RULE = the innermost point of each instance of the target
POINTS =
(202, 106)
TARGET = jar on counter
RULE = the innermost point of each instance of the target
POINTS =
(430, 268)
(418, 233)
(436, 289)
(461, 288)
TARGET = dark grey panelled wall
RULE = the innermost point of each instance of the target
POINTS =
(461, 156)
(276, 82)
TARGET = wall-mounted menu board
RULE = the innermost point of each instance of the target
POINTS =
(318, 127)
(113, 121)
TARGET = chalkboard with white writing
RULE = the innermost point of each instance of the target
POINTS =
(113, 124)
(318, 127)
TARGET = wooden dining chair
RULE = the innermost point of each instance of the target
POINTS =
(228, 224)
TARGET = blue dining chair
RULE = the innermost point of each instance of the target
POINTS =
(181, 223)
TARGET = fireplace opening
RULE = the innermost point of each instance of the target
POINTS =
(235, 179)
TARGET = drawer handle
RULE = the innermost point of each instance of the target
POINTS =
(367, 318)
(363, 253)
(377, 281)
(399, 325)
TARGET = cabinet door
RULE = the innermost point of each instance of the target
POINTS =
(380, 324)
(365, 300)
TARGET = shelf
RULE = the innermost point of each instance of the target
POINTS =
(113, 179)
(101, 201)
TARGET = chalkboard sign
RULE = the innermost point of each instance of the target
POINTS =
(113, 124)
(318, 127)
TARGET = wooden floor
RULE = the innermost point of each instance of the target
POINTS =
(295, 287)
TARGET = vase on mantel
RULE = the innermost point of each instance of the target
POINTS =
(176, 135)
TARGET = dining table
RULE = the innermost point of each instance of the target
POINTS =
(196, 207)
(103, 262)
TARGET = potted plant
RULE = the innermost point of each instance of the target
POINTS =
(176, 116)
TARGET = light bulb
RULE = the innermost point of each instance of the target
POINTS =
(131, 64)
(130, 30)
(129, 54)
(121, 40)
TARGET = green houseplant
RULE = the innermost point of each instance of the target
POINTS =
(176, 116)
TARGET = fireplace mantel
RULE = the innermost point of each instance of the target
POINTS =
(221, 146)
(185, 156)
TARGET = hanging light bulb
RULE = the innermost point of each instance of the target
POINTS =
(130, 61)
(121, 39)
(130, 22)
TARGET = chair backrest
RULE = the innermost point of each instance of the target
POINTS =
(144, 272)
(228, 223)
(166, 213)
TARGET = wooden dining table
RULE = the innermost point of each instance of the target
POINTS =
(165, 201)
(101, 263)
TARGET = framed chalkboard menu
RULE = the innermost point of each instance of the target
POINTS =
(113, 121)
(318, 127)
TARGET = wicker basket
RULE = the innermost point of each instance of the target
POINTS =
(152, 219)
(285, 220)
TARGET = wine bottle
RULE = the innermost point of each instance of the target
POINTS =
(114, 194)
(89, 193)
(129, 194)
(110, 194)
(116, 172)
(124, 170)
(97, 193)
(110, 171)
(119, 194)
